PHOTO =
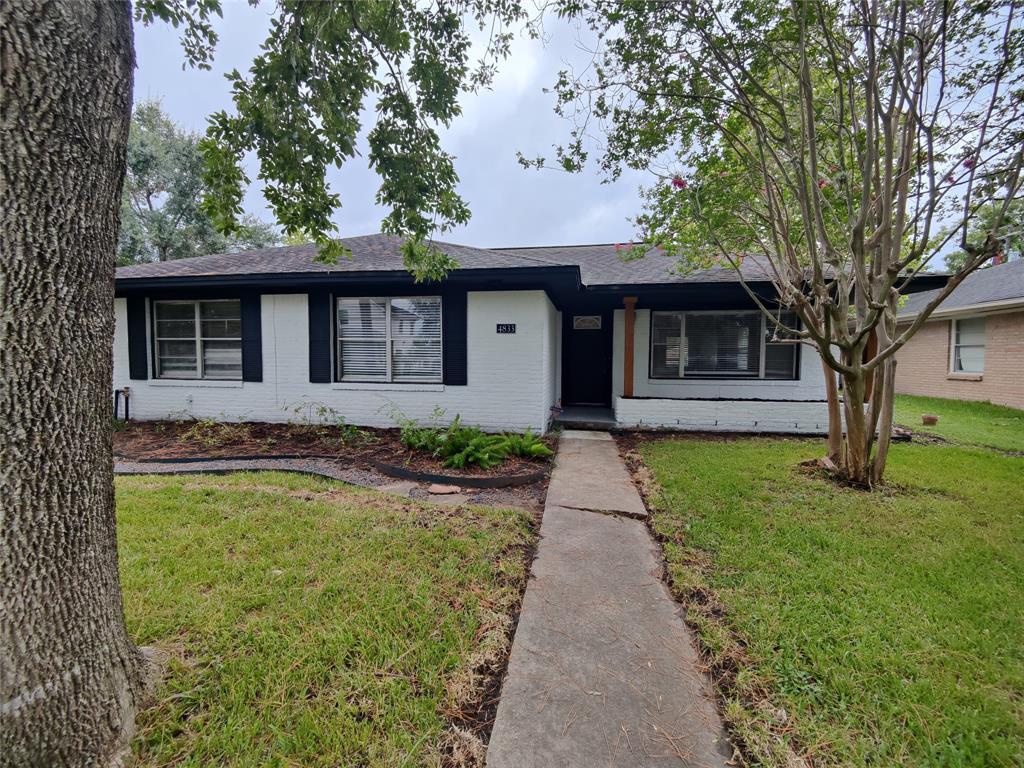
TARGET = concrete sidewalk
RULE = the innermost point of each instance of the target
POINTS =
(603, 671)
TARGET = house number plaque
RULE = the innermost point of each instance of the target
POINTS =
(506, 327)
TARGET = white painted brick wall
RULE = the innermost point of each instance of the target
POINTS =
(724, 415)
(510, 376)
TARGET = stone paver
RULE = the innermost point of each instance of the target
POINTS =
(603, 671)
(448, 500)
(399, 487)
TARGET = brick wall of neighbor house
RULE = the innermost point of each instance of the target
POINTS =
(510, 381)
(727, 405)
(923, 363)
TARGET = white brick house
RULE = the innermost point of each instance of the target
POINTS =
(507, 340)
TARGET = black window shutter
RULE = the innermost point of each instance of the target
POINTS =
(137, 365)
(320, 337)
(252, 338)
(453, 321)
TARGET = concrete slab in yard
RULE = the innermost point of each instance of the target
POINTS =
(603, 672)
(590, 474)
(400, 487)
(448, 500)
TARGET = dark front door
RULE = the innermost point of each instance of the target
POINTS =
(586, 358)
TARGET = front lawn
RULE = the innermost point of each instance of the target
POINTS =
(966, 422)
(310, 623)
(860, 629)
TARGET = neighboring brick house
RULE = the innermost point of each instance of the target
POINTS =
(972, 347)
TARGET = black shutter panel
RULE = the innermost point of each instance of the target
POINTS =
(453, 322)
(137, 366)
(252, 338)
(320, 337)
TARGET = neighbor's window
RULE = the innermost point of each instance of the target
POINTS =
(720, 345)
(969, 345)
(198, 339)
(389, 339)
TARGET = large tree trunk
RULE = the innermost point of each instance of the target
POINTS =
(70, 678)
(855, 463)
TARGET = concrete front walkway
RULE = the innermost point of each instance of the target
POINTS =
(603, 671)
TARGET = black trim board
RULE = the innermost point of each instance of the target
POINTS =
(321, 337)
(252, 337)
(454, 328)
(138, 366)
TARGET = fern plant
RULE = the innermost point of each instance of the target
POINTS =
(526, 445)
(483, 450)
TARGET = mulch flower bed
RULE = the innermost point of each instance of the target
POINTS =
(161, 440)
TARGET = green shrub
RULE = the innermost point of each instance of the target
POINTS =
(481, 449)
(526, 445)
(459, 446)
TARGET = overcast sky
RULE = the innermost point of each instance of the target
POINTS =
(510, 205)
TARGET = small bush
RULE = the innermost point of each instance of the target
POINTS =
(483, 450)
(210, 433)
(459, 446)
(526, 445)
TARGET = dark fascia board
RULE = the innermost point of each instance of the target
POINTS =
(633, 288)
(556, 282)
(921, 283)
(498, 275)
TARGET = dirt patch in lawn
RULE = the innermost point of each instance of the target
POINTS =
(161, 440)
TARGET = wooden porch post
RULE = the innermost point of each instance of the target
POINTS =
(627, 361)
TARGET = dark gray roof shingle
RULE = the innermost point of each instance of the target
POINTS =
(370, 253)
(606, 264)
(603, 264)
(1003, 282)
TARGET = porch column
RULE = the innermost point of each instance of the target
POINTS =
(627, 359)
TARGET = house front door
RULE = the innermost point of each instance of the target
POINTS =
(587, 358)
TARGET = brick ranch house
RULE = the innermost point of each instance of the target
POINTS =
(972, 346)
(509, 340)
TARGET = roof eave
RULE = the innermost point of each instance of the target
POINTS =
(274, 279)
(980, 308)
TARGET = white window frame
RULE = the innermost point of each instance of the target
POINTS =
(198, 338)
(388, 340)
(706, 376)
(954, 345)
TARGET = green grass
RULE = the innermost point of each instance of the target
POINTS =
(889, 627)
(965, 422)
(309, 623)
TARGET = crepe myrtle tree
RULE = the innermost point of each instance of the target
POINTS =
(71, 680)
(840, 144)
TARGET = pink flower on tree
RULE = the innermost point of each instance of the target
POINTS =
(822, 183)
(679, 183)
(969, 162)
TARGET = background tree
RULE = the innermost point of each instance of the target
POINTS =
(1010, 234)
(161, 218)
(70, 678)
(827, 139)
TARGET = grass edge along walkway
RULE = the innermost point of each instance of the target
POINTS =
(312, 623)
(858, 629)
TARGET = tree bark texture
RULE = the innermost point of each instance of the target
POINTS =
(70, 677)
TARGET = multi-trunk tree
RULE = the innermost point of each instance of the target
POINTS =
(71, 680)
(842, 144)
